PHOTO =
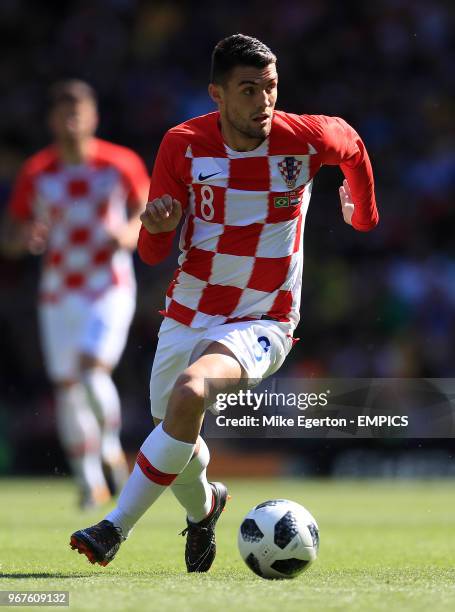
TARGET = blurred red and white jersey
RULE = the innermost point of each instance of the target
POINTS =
(242, 238)
(81, 204)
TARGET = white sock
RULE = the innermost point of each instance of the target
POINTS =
(191, 486)
(159, 461)
(105, 401)
(79, 435)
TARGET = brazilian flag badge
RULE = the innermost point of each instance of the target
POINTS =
(281, 202)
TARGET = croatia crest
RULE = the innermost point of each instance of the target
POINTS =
(290, 169)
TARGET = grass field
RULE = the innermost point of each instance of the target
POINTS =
(384, 546)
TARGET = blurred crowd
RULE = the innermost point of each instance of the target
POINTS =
(376, 304)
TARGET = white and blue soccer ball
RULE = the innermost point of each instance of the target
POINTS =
(278, 539)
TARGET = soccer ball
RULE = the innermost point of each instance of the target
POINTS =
(278, 539)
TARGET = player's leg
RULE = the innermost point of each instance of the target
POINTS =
(254, 350)
(203, 501)
(79, 436)
(191, 487)
(171, 445)
(77, 428)
(231, 352)
(260, 351)
(162, 456)
(104, 400)
(195, 493)
(101, 345)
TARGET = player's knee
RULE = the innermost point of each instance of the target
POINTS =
(188, 393)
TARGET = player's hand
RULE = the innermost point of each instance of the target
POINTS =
(347, 205)
(121, 239)
(162, 215)
(34, 237)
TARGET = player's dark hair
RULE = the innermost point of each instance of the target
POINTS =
(70, 90)
(238, 50)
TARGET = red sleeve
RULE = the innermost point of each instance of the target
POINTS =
(168, 171)
(136, 179)
(153, 248)
(21, 200)
(339, 144)
(167, 178)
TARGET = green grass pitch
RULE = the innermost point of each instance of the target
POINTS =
(384, 546)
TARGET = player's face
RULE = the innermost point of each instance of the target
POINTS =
(247, 100)
(74, 119)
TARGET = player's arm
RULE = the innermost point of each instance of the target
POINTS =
(126, 236)
(168, 195)
(339, 144)
(20, 233)
(136, 180)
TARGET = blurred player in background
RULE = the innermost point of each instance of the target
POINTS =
(242, 176)
(78, 201)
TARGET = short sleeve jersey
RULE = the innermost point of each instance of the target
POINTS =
(81, 204)
(242, 237)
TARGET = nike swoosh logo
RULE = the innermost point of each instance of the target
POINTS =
(204, 178)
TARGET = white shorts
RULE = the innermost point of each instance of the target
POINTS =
(78, 325)
(260, 347)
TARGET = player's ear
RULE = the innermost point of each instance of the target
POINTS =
(215, 93)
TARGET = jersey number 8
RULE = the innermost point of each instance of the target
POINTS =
(207, 210)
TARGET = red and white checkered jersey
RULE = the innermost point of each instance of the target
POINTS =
(242, 236)
(81, 204)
